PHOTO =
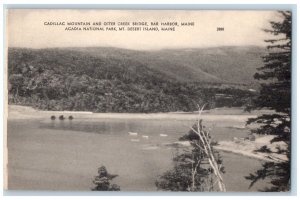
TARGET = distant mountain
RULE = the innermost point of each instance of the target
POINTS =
(209, 65)
(103, 79)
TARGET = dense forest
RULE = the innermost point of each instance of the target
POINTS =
(77, 79)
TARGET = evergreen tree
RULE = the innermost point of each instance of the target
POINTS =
(275, 94)
(102, 181)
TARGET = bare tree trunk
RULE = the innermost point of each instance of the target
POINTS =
(205, 144)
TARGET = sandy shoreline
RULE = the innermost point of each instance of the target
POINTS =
(24, 112)
(247, 148)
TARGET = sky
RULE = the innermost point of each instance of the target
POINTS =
(26, 28)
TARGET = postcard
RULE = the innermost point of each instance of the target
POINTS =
(148, 100)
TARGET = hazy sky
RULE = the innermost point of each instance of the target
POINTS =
(25, 28)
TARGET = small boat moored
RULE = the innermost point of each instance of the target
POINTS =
(163, 135)
(133, 133)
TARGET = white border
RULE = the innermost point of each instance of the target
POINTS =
(145, 2)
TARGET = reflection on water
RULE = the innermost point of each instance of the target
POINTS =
(64, 155)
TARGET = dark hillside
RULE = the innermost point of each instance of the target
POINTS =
(114, 80)
(234, 65)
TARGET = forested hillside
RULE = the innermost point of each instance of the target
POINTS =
(119, 80)
(212, 65)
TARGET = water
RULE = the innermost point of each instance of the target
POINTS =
(65, 155)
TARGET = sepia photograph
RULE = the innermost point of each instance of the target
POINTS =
(148, 100)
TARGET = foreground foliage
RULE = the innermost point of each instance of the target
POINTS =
(197, 168)
(102, 181)
(275, 94)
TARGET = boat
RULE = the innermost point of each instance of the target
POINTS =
(163, 135)
(132, 133)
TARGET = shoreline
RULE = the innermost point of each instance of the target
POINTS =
(25, 112)
(247, 148)
(245, 154)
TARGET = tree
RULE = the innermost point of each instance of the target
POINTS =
(102, 181)
(275, 94)
(198, 168)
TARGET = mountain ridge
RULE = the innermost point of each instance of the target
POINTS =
(213, 64)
